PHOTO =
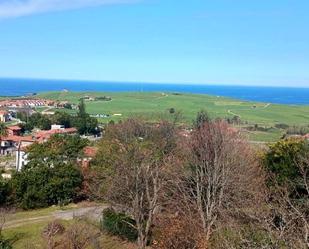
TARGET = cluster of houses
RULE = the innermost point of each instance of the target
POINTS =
(26, 102)
(9, 106)
(16, 144)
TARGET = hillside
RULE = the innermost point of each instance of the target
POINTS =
(155, 105)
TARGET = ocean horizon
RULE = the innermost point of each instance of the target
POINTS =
(268, 94)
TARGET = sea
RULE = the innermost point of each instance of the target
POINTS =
(280, 95)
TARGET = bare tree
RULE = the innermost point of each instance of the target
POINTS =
(80, 235)
(50, 231)
(219, 179)
(139, 178)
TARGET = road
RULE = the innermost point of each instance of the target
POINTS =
(93, 213)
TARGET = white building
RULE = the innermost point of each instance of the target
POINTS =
(4, 116)
(21, 155)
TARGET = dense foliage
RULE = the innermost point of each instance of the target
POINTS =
(52, 176)
(36, 120)
(60, 149)
(83, 122)
(119, 224)
(3, 130)
(44, 186)
(4, 191)
(282, 160)
(5, 244)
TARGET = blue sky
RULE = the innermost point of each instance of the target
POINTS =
(257, 42)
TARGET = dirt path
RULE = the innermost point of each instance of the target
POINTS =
(233, 113)
(267, 105)
(93, 213)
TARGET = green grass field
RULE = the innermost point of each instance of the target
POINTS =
(29, 234)
(153, 106)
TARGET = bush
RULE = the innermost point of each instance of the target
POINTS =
(281, 160)
(5, 244)
(53, 228)
(119, 224)
(282, 126)
(298, 130)
(43, 186)
(4, 191)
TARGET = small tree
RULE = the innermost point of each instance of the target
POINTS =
(3, 129)
(52, 176)
(287, 163)
(5, 191)
(201, 118)
(83, 122)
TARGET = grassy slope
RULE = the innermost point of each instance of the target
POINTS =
(32, 233)
(154, 105)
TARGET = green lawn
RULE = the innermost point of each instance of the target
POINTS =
(30, 233)
(37, 212)
(153, 106)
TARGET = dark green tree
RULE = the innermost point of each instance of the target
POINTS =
(5, 191)
(58, 149)
(44, 185)
(62, 118)
(201, 118)
(282, 161)
(82, 109)
(85, 124)
(3, 129)
(52, 176)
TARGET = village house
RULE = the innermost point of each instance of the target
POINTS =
(43, 136)
(306, 136)
(14, 130)
(26, 102)
(10, 143)
(89, 154)
(4, 116)
(14, 143)
(21, 156)
(40, 137)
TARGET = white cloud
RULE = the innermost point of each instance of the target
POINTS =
(16, 8)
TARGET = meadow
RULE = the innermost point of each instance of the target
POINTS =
(153, 106)
(28, 226)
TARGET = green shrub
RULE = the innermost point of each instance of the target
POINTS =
(43, 186)
(282, 158)
(4, 191)
(119, 224)
(5, 244)
(281, 126)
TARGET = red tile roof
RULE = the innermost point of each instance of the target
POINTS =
(17, 139)
(14, 128)
(90, 151)
(43, 135)
(306, 136)
(3, 112)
